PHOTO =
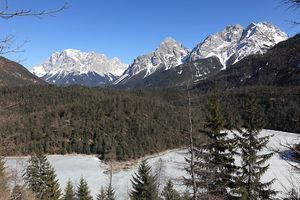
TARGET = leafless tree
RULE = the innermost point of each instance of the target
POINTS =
(293, 4)
(292, 157)
(6, 12)
(191, 160)
(7, 43)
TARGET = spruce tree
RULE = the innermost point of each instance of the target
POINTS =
(107, 194)
(4, 188)
(144, 184)
(253, 162)
(101, 195)
(83, 192)
(214, 159)
(41, 178)
(69, 191)
(186, 195)
(2, 167)
(110, 192)
(169, 193)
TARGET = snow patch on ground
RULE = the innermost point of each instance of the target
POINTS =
(76, 166)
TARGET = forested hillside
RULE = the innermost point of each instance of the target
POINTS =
(123, 124)
(87, 120)
(280, 66)
(14, 74)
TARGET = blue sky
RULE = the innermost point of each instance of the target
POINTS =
(129, 28)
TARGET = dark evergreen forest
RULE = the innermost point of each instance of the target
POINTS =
(123, 124)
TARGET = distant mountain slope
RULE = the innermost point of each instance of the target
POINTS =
(280, 66)
(182, 75)
(173, 65)
(169, 65)
(234, 42)
(73, 67)
(14, 74)
(168, 55)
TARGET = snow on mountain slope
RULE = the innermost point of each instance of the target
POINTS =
(229, 46)
(235, 42)
(74, 62)
(169, 54)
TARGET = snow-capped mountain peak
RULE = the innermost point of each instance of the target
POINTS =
(76, 62)
(169, 54)
(234, 42)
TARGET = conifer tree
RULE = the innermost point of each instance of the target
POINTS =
(20, 192)
(41, 178)
(253, 162)
(214, 159)
(2, 167)
(4, 189)
(69, 191)
(169, 193)
(110, 192)
(101, 195)
(186, 195)
(83, 192)
(144, 184)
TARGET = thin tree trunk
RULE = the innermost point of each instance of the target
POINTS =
(192, 150)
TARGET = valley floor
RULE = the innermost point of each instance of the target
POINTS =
(95, 172)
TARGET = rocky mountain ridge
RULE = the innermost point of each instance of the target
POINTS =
(235, 42)
(228, 46)
(70, 65)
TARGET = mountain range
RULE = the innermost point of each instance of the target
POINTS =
(73, 67)
(171, 64)
(280, 66)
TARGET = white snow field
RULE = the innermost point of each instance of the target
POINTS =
(76, 166)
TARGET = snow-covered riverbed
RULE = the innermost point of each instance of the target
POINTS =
(76, 166)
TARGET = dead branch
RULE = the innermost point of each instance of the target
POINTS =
(7, 45)
(21, 12)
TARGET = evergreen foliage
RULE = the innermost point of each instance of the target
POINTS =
(169, 193)
(214, 159)
(144, 184)
(20, 192)
(83, 192)
(69, 191)
(2, 167)
(253, 162)
(277, 67)
(4, 187)
(186, 195)
(107, 194)
(297, 152)
(41, 178)
(81, 120)
(102, 195)
(110, 193)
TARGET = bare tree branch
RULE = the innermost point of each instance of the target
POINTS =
(293, 4)
(21, 12)
(7, 45)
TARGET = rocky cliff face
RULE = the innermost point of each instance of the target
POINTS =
(169, 54)
(81, 68)
(225, 48)
(234, 42)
